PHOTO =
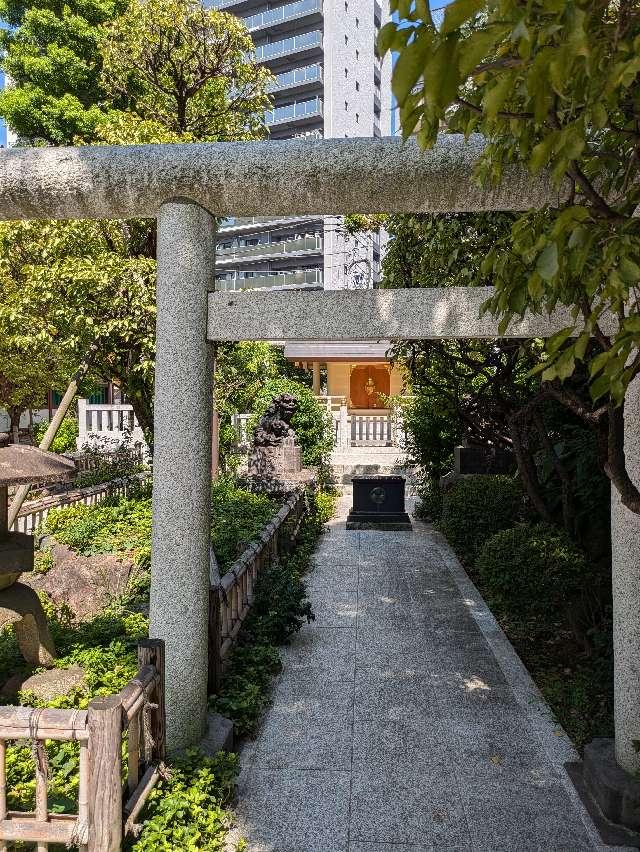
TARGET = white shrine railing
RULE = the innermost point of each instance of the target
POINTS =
(350, 429)
(109, 425)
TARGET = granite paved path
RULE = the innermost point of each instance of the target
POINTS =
(403, 720)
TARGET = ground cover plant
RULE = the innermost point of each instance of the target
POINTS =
(281, 607)
(123, 524)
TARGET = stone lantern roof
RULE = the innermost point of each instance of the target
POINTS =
(21, 464)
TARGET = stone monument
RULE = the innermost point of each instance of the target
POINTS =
(275, 455)
(21, 464)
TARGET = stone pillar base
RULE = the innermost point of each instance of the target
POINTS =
(615, 791)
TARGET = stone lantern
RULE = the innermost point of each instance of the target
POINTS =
(21, 464)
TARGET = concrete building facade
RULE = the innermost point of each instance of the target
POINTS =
(329, 83)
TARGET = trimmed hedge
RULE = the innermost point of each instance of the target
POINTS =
(531, 572)
(477, 507)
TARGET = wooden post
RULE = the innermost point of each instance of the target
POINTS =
(105, 774)
(215, 640)
(151, 653)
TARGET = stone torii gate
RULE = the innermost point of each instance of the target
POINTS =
(186, 187)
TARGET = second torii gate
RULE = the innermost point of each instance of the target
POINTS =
(186, 187)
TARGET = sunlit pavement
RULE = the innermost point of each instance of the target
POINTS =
(403, 720)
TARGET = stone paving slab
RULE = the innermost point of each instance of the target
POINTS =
(403, 720)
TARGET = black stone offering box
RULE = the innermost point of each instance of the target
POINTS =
(378, 504)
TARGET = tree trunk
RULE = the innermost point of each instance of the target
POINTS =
(528, 473)
(14, 418)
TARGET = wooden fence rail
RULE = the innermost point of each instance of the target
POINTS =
(231, 600)
(104, 815)
(34, 513)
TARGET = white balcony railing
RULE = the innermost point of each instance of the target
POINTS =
(282, 14)
(294, 112)
(275, 49)
(261, 280)
(264, 249)
(297, 77)
(107, 425)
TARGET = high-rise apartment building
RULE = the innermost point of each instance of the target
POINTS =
(329, 82)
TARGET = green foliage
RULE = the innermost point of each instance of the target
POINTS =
(116, 525)
(54, 59)
(244, 695)
(188, 809)
(122, 524)
(279, 610)
(241, 371)
(553, 86)
(119, 465)
(442, 250)
(325, 504)
(238, 517)
(430, 506)
(65, 439)
(531, 571)
(310, 422)
(187, 69)
(477, 507)
(433, 425)
(163, 72)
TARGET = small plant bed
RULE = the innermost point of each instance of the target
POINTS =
(280, 609)
(552, 603)
(122, 525)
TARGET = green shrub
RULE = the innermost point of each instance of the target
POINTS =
(123, 524)
(476, 507)
(65, 439)
(280, 608)
(531, 571)
(430, 495)
(310, 422)
(325, 502)
(238, 517)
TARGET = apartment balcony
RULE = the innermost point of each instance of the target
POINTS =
(300, 280)
(270, 251)
(223, 4)
(278, 50)
(273, 19)
(298, 78)
(299, 111)
(240, 224)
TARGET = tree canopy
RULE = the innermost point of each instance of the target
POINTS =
(52, 54)
(552, 85)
